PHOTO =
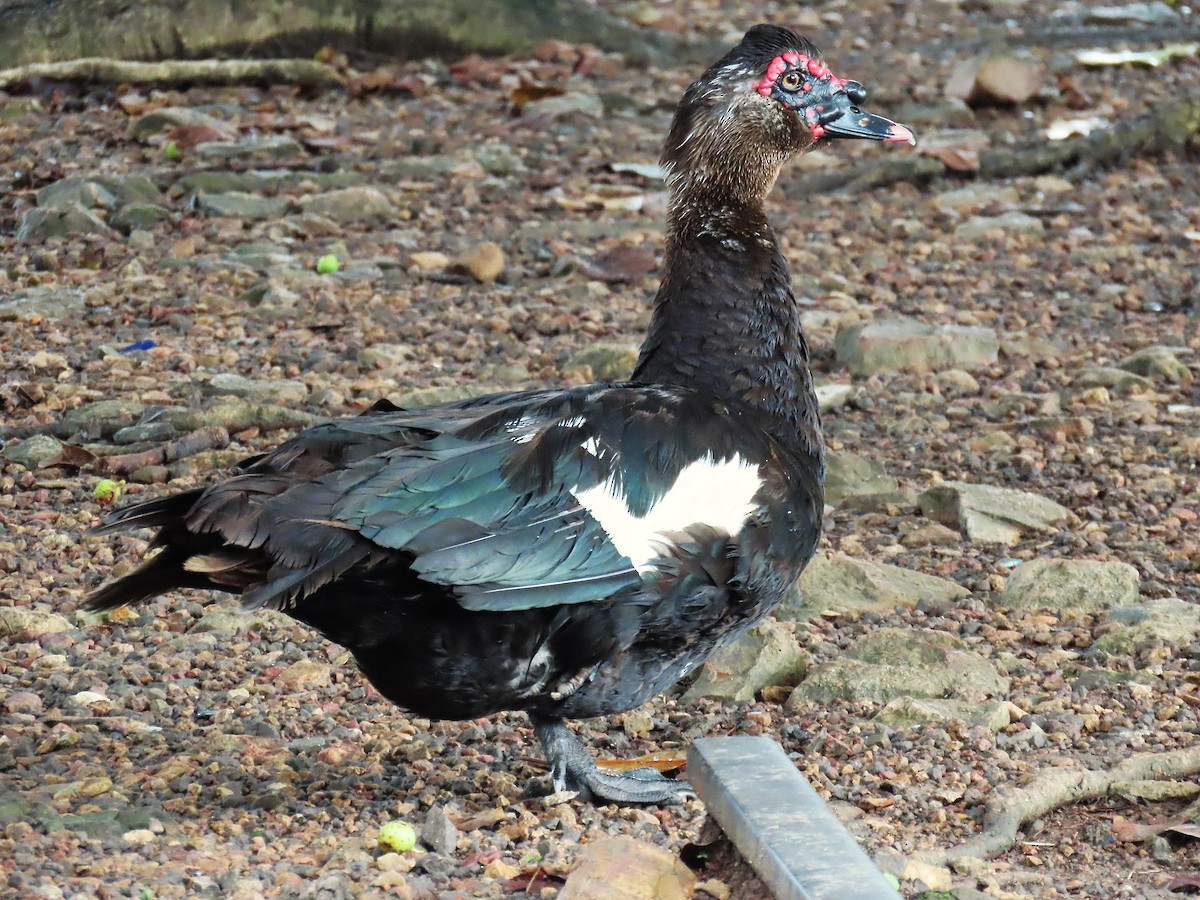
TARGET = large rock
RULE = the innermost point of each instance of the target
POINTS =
(37, 452)
(17, 623)
(904, 712)
(977, 227)
(893, 344)
(766, 655)
(1155, 623)
(275, 390)
(989, 514)
(352, 204)
(242, 205)
(624, 868)
(848, 475)
(608, 362)
(1061, 584)
(975, 196)
(43, 224)
(1159, 363)
(902, 662)
(230, 619)
(43, 302)
(99, 419)
(104, 191)
(844, 584)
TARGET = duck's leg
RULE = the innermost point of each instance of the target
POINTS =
(574, 770)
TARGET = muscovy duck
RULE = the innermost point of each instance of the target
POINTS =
(571, 552)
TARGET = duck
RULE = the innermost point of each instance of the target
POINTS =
(569, 552)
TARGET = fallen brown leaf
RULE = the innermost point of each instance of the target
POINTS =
(664, 761)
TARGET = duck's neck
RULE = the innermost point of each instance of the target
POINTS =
(725, 321)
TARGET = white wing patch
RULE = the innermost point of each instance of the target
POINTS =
(717, 494)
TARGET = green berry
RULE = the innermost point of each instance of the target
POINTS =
(107, 491)
(173, 152)
(327, 264)
(398, 836)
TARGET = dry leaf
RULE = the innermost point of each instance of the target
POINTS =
(1128, 831)
(527, 93)
(1183, 882)
(620, 264)
(664, 761)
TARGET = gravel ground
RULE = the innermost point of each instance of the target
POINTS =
(149, 755)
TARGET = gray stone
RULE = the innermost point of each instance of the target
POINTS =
(414, 167)
(850, 475)
(834, 396)
(270, 293)
(431, 396)
(1152, 13)
(608, 362)
(229, 619)
(42, 224)
(139, 216)
(99, 419)
(1062, 584)
(499, 159)
(175, 117)
(278, 147)
(977, 227)
(242, 205)
(18, 623)
(352, 204)
(974, 196)
(893, 344)
(905, 712)
(238, 415)
(1111, 377)
(1154, 623)
(275, 390)
(260, 255)
(988, 514)
(149, 431)
(225, 182)
(44, 302)
(903, 662)
(957, 383)
(439, 833)
(574, 103)
(105, 191)
(1159, 363)
(840, 583)
(37, 452)
(766, 655)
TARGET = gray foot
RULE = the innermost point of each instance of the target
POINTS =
(574, 770)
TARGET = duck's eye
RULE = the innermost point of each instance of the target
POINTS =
(790, 81)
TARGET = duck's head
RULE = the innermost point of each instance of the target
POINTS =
(769, 98)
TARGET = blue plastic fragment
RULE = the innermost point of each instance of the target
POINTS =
(140, 345)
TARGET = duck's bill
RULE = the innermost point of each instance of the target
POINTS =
(855, 123)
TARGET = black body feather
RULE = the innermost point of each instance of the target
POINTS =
(449, 548)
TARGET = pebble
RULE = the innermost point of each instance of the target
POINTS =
(439, 833)
(483, 262)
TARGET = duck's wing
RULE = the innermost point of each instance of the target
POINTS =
(512, 503)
